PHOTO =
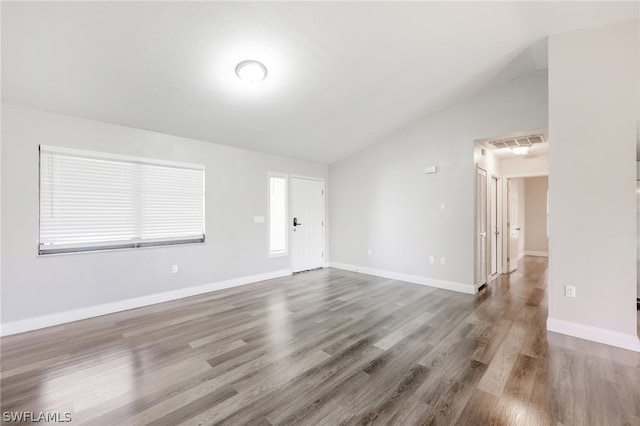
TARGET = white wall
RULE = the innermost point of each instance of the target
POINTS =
(381, 199)
(236, 190)
(525, 166)
(488, 161)
(536, 215)
(593, 108)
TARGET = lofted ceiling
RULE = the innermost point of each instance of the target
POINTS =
(341, 76)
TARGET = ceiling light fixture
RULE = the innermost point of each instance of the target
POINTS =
(520, 150)
(251, 71)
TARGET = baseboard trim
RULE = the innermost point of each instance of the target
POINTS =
(521, 256)
(595, 334)
(21, 326)
(415, 279)
(536, 253)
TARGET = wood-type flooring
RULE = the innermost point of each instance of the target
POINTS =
(326, 347)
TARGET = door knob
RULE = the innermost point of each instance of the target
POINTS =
(295, 222)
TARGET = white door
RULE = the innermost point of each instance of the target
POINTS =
(307, 224)
(494, 233)
(481, 226)
(512, 225)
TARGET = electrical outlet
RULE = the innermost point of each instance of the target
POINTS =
(570, 291)
(443, 260)
(432, 259)
(369, 252)
(174, 269)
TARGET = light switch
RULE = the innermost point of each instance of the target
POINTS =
(258, 219)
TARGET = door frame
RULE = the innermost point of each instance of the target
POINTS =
(499, 224)
(516, 259)
(482, 281)
(499, 218)
(324, 217)
(505, 230)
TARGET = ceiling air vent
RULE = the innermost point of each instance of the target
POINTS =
(521, 141)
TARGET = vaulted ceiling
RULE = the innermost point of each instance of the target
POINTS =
(341, 75)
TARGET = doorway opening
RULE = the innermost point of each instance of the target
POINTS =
(506, 209)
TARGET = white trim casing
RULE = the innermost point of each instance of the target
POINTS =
(594, 334)
(58, 318)
(536, 253)
(415, 279)
(525, 175)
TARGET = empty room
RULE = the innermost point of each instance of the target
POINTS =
(302, 213)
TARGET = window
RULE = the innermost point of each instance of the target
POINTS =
(277, 215)
(94, 201)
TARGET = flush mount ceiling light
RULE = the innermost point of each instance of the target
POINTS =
(251, 71)
(520, 150)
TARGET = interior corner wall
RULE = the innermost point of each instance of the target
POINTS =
(381, 199)
(236, 248)
(536, 215)
(593, 109)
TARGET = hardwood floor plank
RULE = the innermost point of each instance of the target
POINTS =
(459, 388)
(199, 405)
(406, 329)
(447, 366)
(522, 378)
(497, 374)
(393, 396)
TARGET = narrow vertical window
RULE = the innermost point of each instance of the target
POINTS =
(277, 215)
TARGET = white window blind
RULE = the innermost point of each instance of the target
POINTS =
(95, 201)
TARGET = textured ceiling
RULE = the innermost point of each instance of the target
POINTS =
(341, 75)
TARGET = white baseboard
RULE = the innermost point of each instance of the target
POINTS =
(536, 253)
(521, 256)
(415, 279)
(43, 321)
(595, 334)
